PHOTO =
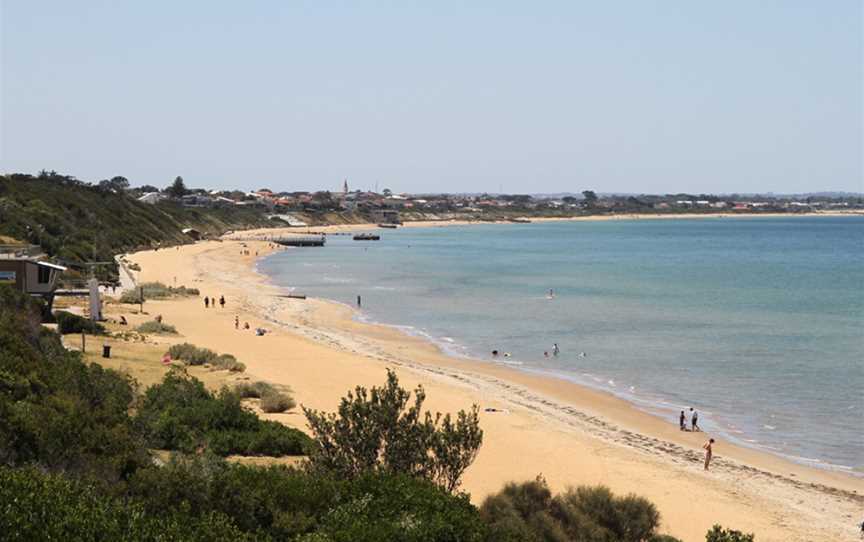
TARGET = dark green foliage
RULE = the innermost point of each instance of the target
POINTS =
(529, 512)
(288, 504)
(373, 430)
(180, 414)
(72, 323)
(54, 409)
(719, 534)
(77, 222)
(38, 506)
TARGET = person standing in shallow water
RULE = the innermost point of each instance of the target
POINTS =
(709, 452)
(694, 420)
(682, 422)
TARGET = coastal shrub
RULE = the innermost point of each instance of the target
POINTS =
(227, 362)
(191, 354)
(156, 290)
(528, 511)
(377, 430)
(719, 534)
(54, 409)
(277, 402)
(52, 507)
(157, 327)
(180, 414)
(290, 504)
(253, 390)
(68, 322)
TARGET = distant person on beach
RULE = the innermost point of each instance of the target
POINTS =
(222, 301)
(206, 302)
(359, 301)
(694, 420)
(709, 452)
(236, 322)
(682, 422)
(245, 325)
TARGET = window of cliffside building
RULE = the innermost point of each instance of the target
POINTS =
(44, 275)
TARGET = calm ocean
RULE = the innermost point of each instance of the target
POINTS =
(756, 322)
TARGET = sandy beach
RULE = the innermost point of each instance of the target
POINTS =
(570, 434)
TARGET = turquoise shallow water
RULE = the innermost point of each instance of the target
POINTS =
(756, 322)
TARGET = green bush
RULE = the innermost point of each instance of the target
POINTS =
(377, 430)
(156, 327)
(38, 506)
(227, 362)
(288, 504)
(528, 511)
(254, 390)
(719, 534)
(72, 323)
(191, 354)
(180, 414)
(277, 402)
(54, 409)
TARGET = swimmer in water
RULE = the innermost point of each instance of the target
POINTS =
(555, 349)
(551, 294)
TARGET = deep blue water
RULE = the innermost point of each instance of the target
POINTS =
(756, 322)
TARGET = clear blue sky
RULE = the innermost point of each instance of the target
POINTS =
(637, 96)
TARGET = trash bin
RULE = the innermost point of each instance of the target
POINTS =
(106, 350)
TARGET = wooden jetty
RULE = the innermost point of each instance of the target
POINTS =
(299, 240)
(367, 237)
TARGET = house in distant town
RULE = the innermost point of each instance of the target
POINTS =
(152, 198)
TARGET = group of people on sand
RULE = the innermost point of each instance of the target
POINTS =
(694, 426)
(211, 302)
(259, 331)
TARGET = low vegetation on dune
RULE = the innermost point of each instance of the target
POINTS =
(156, 290)
(190, 354)
(68, 322)
(75, 459)
(272, 400)
(156, 327)
(181, 414)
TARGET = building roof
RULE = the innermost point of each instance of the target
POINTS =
(51, 265)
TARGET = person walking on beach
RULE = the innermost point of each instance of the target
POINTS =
(682, 422)
(694, 420)
(709, 452)
(236, 322)
(222, 301)
(206, 302)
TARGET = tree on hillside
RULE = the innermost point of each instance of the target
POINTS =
(387, 192)
(373, 431)
(590, 197)
(147, 188)
(177, 188)
(116, 184)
